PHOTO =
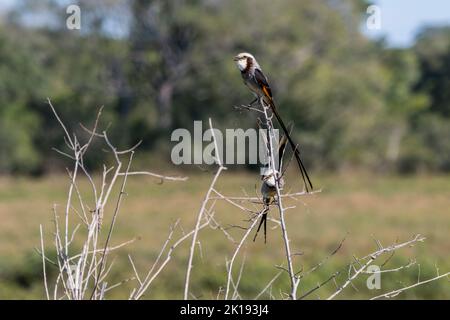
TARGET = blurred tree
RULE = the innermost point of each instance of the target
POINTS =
(20, 82)
(401, 104)
(433, 51)
(78, 73)
(431, 126)
(324, 72)
(159, 42)
(158, 65)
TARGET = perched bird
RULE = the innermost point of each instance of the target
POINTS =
(268, 188)
(257, 82)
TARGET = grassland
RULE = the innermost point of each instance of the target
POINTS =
(360, 207)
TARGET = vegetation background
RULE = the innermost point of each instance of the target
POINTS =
(373, 122)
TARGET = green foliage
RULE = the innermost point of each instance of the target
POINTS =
(21, 277)
(20, 82)
(434, 132)
(354, 102)
(433, 51)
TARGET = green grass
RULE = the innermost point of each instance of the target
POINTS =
(356, 206)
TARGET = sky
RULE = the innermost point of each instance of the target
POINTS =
(400, 19)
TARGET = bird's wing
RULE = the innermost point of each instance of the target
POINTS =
(263, 83)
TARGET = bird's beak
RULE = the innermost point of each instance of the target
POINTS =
(236, 58)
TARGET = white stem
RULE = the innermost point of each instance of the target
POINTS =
(294, 281)
(200, 214)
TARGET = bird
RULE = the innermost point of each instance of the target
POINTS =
(257, 82)
(268, 188)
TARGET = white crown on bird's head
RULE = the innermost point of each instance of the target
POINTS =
(242, 60)
(267, 171)
(269, 176)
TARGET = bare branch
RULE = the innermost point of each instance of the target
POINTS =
(111, 228)
(200, 214)
(43, 263)
(371, 257)
(147, 173)
(399, 291)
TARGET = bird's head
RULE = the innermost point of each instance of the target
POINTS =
(268, 177)
(244, 60)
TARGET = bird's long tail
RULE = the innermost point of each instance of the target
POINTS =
(263, 221)
(281, 149)
(302, 168)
